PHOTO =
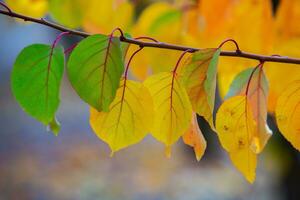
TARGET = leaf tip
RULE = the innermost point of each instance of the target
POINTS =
(168, 151)
(54, 126)
(198, 156)
(112, 153)
(251, 178)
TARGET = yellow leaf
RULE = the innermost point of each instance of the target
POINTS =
(287, 18)
(194, 138)
(158, 20)
(172, 108)
(275, 71)
(253, 83)
(139, 66)
(257, 38)
(245, 161)
(286, 43)
(214, 17)
(33, 8)
(129, 118)
(288, 114)
(102, 16)
(235, 127)
(199, 76)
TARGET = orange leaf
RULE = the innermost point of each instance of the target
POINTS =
(194, 138)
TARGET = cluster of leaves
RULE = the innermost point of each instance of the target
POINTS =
(202, 23)
(165, 103)
(123, 111)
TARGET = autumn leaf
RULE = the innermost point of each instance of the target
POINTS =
(287, 19)
(157, 20)
(221, 19)
(129, 117)
(154, 20)
(254, 82)
(36, 78)
(67, 12)
(235, 126)
(172, 108)
(286, 43)
(95, 68)
(194, 138)
(288, 113)
(102, 16)
(199, 76)
(37, 8)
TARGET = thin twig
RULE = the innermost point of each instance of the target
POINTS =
(161, 45)
(180, 58)
(5, 6)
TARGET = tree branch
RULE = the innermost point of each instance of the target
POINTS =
(161, 45)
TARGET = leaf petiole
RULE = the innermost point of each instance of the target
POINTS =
(238, 50)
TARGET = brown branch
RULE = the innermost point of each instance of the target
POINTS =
(161, 45)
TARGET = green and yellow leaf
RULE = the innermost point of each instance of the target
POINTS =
(258, 90)
(67, 12)
(129, 118)
(199, 76)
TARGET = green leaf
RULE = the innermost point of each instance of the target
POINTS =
(165, 19)
(36, 78)
(95, 68)
(211, 79)
(239, 83)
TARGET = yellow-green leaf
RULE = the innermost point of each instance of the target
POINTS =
(288, 114)
(67, 12)
(37, 8)
(129, 118)
(235, 126)
(199, 76)
(194, 138)
(172, 108)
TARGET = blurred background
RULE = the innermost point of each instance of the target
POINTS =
(36, 165)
